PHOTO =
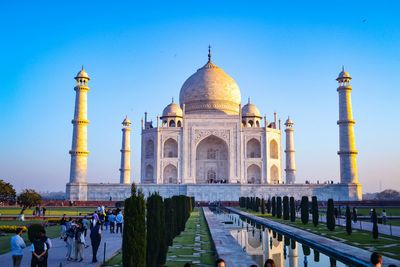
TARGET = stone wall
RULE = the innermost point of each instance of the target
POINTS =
(215, 192)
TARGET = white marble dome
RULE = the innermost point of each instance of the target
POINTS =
(82, 74)
(172, 110)
(210, 89)
(250, 110)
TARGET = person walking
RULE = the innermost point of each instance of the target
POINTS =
(48, 243)
(119, 220)
(95, 238)
(384, 217)
(79, 242)
(38, 249)
(63, 224)
(17, 245)
(111, 219)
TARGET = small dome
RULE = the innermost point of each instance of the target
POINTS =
(289, 122)
(126, 121)
(172, 110)
(250, 110)
(82, 74)
(210, 89)
(343, 75)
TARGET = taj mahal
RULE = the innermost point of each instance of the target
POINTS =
(213, 147)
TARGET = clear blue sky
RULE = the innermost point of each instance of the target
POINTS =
(285, 55)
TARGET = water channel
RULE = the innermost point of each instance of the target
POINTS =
(262, 243)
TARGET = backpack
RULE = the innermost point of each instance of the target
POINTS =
(38, 246)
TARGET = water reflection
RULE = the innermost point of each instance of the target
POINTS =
(262, 243)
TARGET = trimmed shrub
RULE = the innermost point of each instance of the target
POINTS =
(286, 208)
(278, 207)
(273, 204)
(262, 206)
(348, 221)
(292, 209)
(269, 206)
(304, 210)
(314, 210)
(330, 215)
(375, 232)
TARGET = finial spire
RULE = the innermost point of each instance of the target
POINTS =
(249, 100)
(82, 67)
(342, 67)
(209, 53)
(172, 100)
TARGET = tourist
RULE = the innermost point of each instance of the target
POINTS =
(48, 243)
(95, 238)
(384, 218)
(371, 217)
(69, 239)
(63, 224)
(79, 242)
(376, 259)
(354, 215)
(106, 219)
(220, 263)
(119, 220)
(38, 249)
(17, 245)
(269, 263)
(44, 211)
(111, 219)
(85, 225)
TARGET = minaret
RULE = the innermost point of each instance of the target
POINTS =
(79, 152)
(347, 145)
(125, 169)
(290, 153)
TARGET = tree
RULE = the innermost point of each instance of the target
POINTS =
(314, 210)
(269, 206)
(292, 209)
(304, 210)
(348, 221)
(286, 208)
(375, 232)
(273, 204)
(330, 215)
(28, 199)
(278, 207)
(262, 206)
(388, 194)
(134, 236)
(7, 193)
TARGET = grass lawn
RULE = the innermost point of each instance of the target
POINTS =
(387, 245)
(389, 211)
(51, 231)
(56, 211)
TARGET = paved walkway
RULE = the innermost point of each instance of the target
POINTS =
(58, 251)
(324, 245)
(226, 246)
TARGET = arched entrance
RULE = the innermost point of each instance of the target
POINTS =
(170, 175)
(254, 174)
(212, 161)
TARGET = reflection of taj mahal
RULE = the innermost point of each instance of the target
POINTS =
(210, 138)
(211, 147)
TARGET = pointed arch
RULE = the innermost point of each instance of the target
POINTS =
(253, 148)
(274, 172)
(170, 148)
(149, 149)
(254, 174)
(170, 174)
(149, 173)
(273, 149)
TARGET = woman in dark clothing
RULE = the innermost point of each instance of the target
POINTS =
(95, 238)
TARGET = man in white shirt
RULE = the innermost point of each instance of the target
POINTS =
(17, 246)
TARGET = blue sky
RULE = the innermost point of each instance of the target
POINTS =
(285, 55)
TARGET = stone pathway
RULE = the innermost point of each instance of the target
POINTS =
(322, 244)
(226, 246)
(58, 251)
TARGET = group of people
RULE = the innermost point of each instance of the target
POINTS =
(39, 211)
(40, 248)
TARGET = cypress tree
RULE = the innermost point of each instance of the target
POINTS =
(286, 208)
(273, 204)
(169, 224)
(332, 262)
(330, 215)
(134, 236)
(292, 209)
(304, 210)
(316, 255)
(152, 231)
(375, 232)
(314, 210)
(269, 206)
(262, 206)
(348, 221)
(163, 246)
(278, 207)
(306, 250)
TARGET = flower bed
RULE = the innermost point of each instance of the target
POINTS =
(12, 228)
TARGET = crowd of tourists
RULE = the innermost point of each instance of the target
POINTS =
(74, 233)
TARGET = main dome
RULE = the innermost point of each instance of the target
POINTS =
(210, 90)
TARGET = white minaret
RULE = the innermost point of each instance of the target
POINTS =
(347, 145)
(290, 153)
(125, 169)
(79, 151)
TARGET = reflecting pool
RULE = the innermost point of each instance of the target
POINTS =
(262, 243)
